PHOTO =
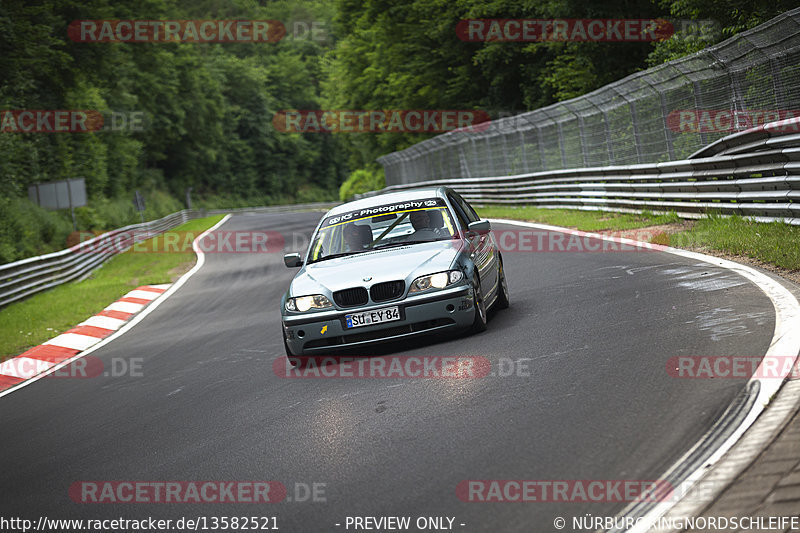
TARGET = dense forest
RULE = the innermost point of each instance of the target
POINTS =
(181, 115)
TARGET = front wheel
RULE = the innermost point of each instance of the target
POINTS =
(479, 324)
(502, 288)
(296, 361)
(286, 348)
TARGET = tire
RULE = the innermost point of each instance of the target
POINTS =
(479, 324)
(502, 301)
(296, 361)
(299, 361)
(286, 348)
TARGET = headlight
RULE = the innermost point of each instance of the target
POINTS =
(304, 303)
(440, 280)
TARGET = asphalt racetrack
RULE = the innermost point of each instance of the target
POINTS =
(587, 334)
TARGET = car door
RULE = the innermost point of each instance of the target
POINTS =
(483, 249)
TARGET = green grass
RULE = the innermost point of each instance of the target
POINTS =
(774, 243)
(41, 317)
(573, 218)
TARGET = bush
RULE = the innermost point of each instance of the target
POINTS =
(27, 230)
(310, 194)
(361, 181)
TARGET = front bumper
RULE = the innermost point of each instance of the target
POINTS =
(318, 332)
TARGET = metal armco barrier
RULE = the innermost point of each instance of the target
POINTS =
(754, 173)
(23, 278)
(26, 277)
(274, 209)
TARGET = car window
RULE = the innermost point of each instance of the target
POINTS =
(462, 216)
(378, 227)
(471, 214)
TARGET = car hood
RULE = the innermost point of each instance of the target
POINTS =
(406, 263)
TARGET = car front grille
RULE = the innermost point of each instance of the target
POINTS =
(351, 297)
(389, 290)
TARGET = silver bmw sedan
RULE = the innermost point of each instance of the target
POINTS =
(389, 267)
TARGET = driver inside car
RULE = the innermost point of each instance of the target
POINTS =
(357, 237)
(427, 225)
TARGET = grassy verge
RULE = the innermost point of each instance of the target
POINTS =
(41, 317)
(573, 218)
(775, 244)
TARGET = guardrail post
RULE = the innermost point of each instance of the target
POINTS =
(541, 147)
(582, 132)
(561, 145)
(462, 160)
(698, 105)
(611, 158)
(637, 141)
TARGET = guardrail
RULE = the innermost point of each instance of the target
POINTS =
(273, 209)
(21, 279)
(754, 173)
(26, 277)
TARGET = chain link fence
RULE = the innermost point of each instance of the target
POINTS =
(661, 114)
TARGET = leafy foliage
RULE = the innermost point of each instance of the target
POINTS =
(361, 181)
(207, 109)
(717, 21)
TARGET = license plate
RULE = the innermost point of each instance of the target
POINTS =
(367, 318)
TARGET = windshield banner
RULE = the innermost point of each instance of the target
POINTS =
(409, 205)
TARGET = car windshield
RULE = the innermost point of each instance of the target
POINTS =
(408, 223)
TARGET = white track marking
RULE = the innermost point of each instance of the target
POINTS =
(144, 295)
(24, 367)
(125, 307)
(105, 322)
(74, 341)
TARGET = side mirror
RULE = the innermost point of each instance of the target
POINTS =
(479, 226)
(292, 260)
